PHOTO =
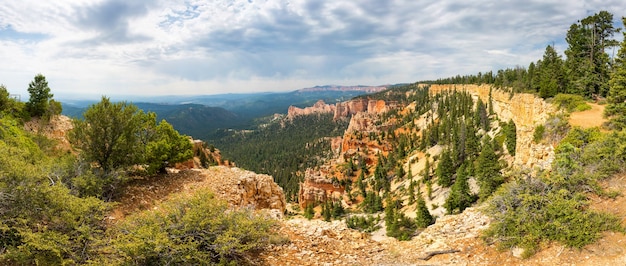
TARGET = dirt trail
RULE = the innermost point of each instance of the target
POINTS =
(589, 118)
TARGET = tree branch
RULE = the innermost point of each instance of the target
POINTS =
(431, 254)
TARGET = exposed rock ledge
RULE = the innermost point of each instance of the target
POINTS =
(526, 110)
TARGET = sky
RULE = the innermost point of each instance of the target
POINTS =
(166, 47)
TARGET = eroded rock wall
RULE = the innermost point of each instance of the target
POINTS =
(526, 110)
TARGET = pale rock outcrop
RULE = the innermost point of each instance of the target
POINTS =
(245, 188)
(317, 188)
(261, 191)
(320, 107)
(526, 110)
(57, 129)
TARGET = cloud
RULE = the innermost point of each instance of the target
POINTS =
(200, 47)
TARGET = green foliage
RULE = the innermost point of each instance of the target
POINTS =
(423, 218)
(372, 203)
(196, 230)
(587, 62)
(551, 77)
(309, 211)
(510, 131)
(460, 196)
(363, 223)
(283, 150)
(488, 170)
(109, 134)
(119, 135)
(571, 102)
(556, 127)
(40, 96)
(167, 147)
(10, 106)
(538, 133)
(445, 170)
(615, 111)
(529, 212)
(397, 224)
(41, 222)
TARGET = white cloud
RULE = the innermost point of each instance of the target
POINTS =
(201, 47)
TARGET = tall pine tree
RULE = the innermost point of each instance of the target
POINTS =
(488, 170)
(616, 109)
(551, 79)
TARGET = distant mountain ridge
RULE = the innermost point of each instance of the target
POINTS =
(361, 88)
(201, 115)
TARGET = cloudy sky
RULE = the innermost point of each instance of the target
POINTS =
(156, 47)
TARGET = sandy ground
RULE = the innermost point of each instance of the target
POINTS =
(589, 118)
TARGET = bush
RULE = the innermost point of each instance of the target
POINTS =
(571, 102)
(196, 230)
(41, 222)
(366, 224)
(529, 212)
(538, 134)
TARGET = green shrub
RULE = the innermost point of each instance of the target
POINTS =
(196, 230)
(529, 212)
(538, 134)
(532, 211)
(571, 102)
(366, 223)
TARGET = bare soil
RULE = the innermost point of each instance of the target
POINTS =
(589, 118)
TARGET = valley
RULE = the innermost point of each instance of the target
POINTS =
(517, 166)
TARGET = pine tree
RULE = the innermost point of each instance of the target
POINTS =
(40, 96)
(423, 218)
(616, 109)
(587, 62)
(551, 76)
(460, 197)
(488, 170)
(326, 211)
(445, 170)
(510, 131)
(411, 191)
(338, 209)
(309, 212)
(360, 184)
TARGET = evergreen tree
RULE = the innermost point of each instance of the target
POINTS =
(338, 209)
(40, 96)
(481, 118)
(309, 211)
(326, 211)
(360, 184)
(510, 132)
(551, 76)
(423, 218)
(445, 170)
(616, 109)
(460, 197)
(587, 62)
(488, 170)
(411, 190)
(167, 148)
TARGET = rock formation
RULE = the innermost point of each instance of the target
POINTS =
(56, 129)
(320, 107)
(245, 188)
(317, 187)
(526, 110)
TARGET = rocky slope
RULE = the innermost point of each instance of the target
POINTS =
(526, 110)
(239, 187)
(343, 109)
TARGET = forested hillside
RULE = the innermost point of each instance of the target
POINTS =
(283, 148)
